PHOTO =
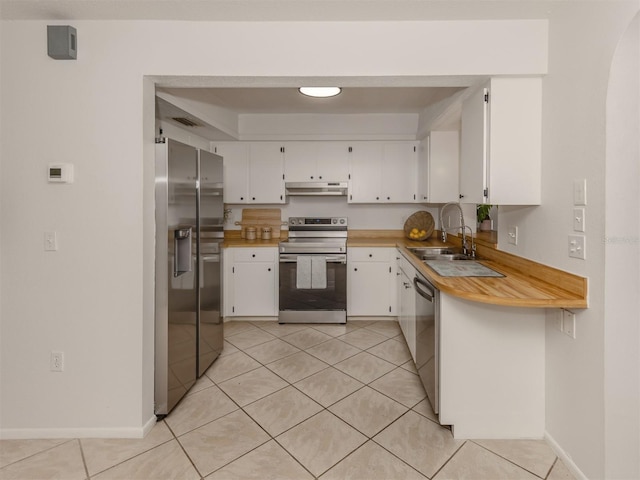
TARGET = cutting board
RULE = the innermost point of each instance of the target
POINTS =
(262, 217)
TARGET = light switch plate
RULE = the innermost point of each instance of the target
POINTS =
(50, 241)
(577, 246)
(578, 219)
(580, 192)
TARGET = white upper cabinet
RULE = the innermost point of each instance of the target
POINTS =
(266, 172)
(253, 172)
(382, 172)
(500, 156)
(316, 161)
(438, 160)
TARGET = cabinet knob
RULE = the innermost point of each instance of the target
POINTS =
(370, 255)
(377, 198)
(253, 198)
(268, 269)
(241, 198)
(460, 196)
(355, 269)
(388, 198)
(311, 177)
(320, 177)
(253, 255)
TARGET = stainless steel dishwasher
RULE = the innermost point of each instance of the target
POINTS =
(427, 338)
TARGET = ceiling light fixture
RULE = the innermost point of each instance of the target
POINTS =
(320, 92)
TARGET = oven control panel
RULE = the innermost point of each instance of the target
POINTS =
(318, 222)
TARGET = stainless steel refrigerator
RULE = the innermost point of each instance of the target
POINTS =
(188, 293)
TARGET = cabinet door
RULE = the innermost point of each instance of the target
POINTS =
(399, 163)
(473, 148)
(300, 160)
(365, 175)
(422, 171)
(254, 289)
(444, 158)
(332, 161)
(235, 171)
(369, 289)
(514, 155)
(266, 171)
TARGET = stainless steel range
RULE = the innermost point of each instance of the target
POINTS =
(313, 271)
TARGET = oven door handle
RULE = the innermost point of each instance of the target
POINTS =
(293, 258)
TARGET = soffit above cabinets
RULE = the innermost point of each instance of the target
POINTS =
(352, 100)
(217, 111)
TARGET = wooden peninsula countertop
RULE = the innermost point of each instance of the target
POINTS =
(526, 283)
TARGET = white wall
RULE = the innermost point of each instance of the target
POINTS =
(622, 269)
(574, 107)
(92, 298)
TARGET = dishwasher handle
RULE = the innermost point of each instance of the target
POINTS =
(428, 295)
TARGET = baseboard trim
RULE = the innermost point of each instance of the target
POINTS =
(573, 468)
(41, 433)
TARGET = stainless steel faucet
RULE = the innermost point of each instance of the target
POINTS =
(461, 226)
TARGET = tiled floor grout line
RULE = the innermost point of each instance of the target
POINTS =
(183, 449)
(84, 460)
(449, 459)
(505, 458)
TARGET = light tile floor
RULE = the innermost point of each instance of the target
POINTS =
(294, 402)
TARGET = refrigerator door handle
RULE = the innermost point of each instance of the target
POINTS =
(182, 247)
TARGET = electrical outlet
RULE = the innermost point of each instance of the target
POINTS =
(578, 219)
(56, 361)
(512, 233)
(50, 241)
(577, 246)
(569, 323)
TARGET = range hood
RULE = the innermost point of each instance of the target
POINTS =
(316, 188)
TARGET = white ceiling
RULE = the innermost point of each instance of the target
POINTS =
(273, 10)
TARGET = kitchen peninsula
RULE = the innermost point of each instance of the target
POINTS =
(492, 330)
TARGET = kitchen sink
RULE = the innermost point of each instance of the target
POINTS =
(439, 253)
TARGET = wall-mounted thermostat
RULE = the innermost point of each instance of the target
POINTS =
(60, 173)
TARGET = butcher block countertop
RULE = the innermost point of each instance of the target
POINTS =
(525, 283)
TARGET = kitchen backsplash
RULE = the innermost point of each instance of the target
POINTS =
(361, 216)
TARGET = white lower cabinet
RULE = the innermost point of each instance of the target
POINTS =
(251, 286)
(371, 281)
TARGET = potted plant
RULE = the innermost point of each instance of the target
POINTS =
(484, 220)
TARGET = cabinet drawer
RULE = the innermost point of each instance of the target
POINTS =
(359, 254)
(254, 255)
